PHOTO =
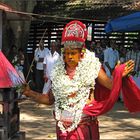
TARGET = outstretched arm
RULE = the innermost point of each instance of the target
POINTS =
(104, 80)
(47, 99)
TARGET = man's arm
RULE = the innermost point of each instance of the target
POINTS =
(47, 99)
(36, 54)
(104, 80)
(45, 70)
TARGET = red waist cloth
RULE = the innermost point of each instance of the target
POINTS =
(105, 99)
(89, 130)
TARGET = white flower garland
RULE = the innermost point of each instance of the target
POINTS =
(62, 86)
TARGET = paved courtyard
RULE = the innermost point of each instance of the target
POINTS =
(38, 123)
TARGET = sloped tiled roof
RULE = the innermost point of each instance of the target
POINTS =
(12, 14)
(90, 9)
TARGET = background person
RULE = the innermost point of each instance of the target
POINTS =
(111, 57)
(134, 54)
(39, 56)
(49, 61)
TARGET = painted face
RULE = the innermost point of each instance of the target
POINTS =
(72, 57)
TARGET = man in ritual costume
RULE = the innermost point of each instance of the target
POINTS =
(81, 90)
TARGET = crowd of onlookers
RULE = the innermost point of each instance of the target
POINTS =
(110, 54)
(108, 51)
(45, 59)
(17, 58)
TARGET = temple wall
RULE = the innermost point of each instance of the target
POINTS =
(16, 31)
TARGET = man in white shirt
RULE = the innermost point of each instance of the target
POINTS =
(111, 58)
(49, 62)
(134, 54)
(39, 56)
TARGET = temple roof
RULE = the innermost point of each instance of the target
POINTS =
(12, 14)
(87, 9)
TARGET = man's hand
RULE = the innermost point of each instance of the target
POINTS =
(45, 78)
(129, 67)
(26, 90)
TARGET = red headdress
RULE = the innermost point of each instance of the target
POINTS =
(74, 31)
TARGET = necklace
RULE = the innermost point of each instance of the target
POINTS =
(62, 86)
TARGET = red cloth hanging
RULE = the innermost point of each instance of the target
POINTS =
(8, 75)
(105, 99)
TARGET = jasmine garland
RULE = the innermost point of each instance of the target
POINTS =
(62, 87)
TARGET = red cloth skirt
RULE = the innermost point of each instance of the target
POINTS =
(87, 129)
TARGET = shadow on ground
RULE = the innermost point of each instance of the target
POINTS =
(38, 123)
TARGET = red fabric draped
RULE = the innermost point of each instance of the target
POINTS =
(131, 95)
(89, 131)
(105, 99)
(8, 75)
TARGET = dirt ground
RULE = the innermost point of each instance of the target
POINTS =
(38, 123)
